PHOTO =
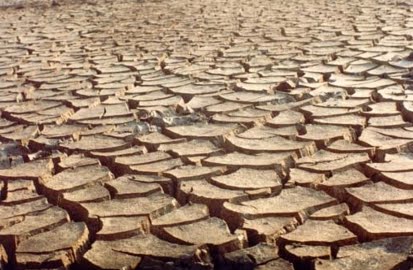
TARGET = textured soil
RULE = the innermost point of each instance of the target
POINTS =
(189, 134)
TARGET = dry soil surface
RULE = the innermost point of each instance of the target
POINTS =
(188, 134)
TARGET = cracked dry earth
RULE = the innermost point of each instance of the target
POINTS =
(180, 134)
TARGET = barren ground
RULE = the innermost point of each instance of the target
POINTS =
(188, 134)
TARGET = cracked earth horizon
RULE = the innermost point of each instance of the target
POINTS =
(216, 134)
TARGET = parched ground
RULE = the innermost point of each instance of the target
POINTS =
(190, 134)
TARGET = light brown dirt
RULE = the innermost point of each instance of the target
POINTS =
(215, 134)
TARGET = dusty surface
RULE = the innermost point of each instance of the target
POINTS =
(213, 134)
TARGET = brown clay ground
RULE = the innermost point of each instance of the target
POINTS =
(188, 134)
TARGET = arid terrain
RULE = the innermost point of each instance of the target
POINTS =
(188, 134)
